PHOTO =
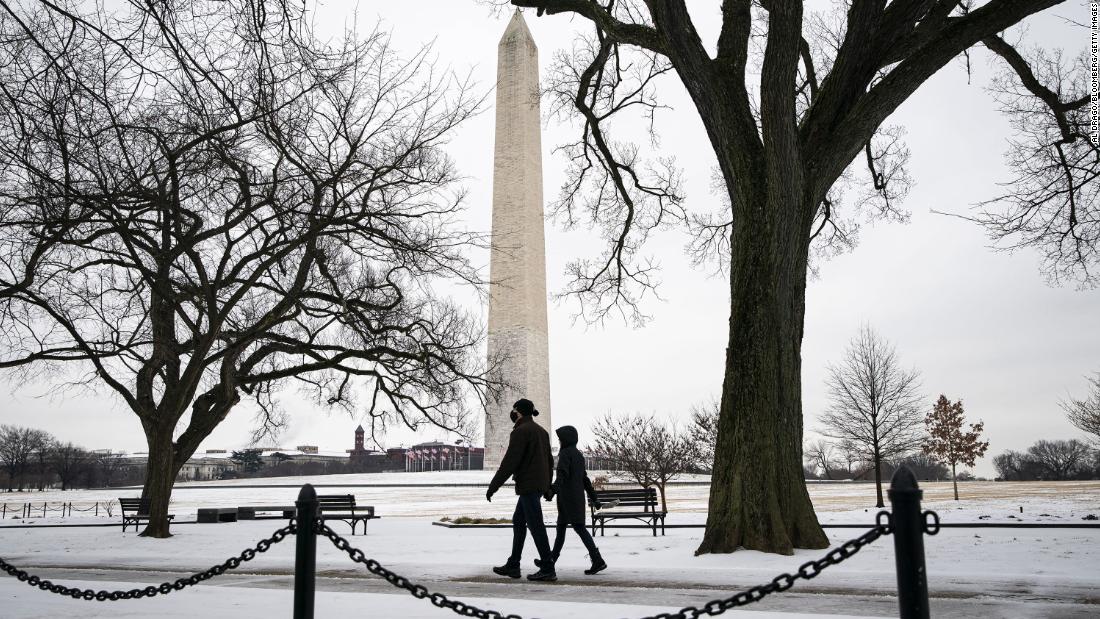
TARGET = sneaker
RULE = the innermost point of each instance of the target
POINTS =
(544, 574)
(598, 565)
(507, 570)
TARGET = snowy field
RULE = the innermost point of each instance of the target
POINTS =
(842, 502)
(991, 572)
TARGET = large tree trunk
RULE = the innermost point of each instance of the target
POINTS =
(167, 457)
(160, 475)
(758, 496)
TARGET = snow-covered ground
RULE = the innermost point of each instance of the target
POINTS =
(239, 602)
(972, 572)
(834, 502)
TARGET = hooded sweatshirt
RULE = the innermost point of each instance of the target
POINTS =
(572, 481)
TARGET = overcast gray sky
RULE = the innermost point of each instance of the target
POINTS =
(981, 326)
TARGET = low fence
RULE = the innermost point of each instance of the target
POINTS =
(62, 509)
(905, 522)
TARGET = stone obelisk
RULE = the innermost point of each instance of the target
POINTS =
(517, 263)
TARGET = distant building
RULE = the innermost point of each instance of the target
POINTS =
(360, 453)
(201, 468)
(210, 465)
(310, 460)
(273, 456)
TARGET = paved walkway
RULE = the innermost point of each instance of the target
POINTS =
(1008, 601)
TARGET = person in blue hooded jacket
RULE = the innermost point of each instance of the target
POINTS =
(570, 486)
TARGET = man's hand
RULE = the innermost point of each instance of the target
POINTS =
(489, 495)
(549, 495)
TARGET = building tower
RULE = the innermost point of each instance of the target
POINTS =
(359, 432)
(517, 263)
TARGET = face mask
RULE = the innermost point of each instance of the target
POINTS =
(514, 416)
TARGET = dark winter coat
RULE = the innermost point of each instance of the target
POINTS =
(528, 459)
(572, 482)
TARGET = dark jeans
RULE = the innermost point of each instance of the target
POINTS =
(529, 516)
(582, 532)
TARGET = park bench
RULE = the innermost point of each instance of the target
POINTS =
(332, 507)
(217, 514)
(136, 510)
(632, 499)
(248, 512)
(342, 507)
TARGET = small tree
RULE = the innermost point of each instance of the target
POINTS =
(703, 432)
(1085, 414)
(819, 455)
(853, 455)
(874, 402)
(648, 451)
(948, 442)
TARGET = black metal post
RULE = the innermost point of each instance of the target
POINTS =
(909, 545)
(305, 558)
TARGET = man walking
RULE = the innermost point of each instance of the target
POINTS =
(529, 461)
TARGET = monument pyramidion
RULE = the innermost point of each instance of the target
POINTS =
(517, 263)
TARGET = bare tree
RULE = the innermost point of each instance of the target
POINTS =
(43, 471)
(921, 464)
(948, 442)
(852, 455)
(795, 101)
(1053, 202)
(69, 462)
(18, 448)
(874, 402)
(1060, 459)
(648, 451)
(1009, 465)
(234, 205)
(1085, 414)
(703, 432)
(108, 464)
(819, 455)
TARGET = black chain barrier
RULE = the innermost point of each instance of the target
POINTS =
(806, 571)
(784, 581)
(418, 591)
(164, 588)
(907, 523)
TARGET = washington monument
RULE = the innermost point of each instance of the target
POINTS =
(517, 263)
